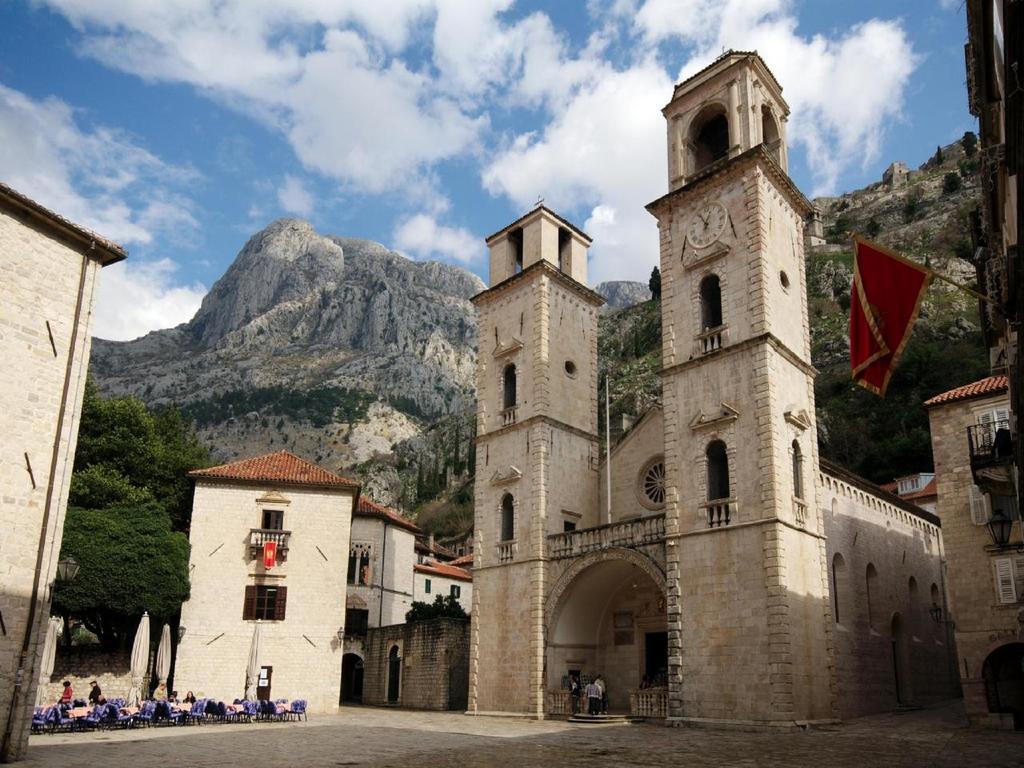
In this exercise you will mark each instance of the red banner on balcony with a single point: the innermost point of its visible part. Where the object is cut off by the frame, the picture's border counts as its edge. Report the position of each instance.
(886, 296)
(269, 554)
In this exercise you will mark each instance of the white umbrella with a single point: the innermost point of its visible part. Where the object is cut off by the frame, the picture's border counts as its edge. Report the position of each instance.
(163, 655)
(252, 670)
(140, 660)
(46, 661)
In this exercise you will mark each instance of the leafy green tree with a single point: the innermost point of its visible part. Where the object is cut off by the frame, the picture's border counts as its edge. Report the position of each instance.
(122, 444)
(655, 284)
(938, 158)
(130, 561)
(443, 607)
(969, 143)
(951, 183)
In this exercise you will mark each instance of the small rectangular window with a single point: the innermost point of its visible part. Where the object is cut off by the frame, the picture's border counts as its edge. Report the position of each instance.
(979, 502)
(273, 520)
(456, 591)
(426, 586)
(356, 622)
(568, 526)
(264, 602)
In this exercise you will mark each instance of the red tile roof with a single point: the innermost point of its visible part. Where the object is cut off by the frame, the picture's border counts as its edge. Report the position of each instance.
(461, 562)
(105, 251)
(282, 467)
(433, 548)
(929, 490)
(444, 569)
(991, 386)
(369, 508)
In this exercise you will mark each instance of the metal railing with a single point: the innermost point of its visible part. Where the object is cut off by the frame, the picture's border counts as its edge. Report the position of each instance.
(649, 702)
(628, 533)
(990, 442)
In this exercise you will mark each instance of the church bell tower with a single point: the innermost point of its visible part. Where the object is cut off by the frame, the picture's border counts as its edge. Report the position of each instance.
(748, 613)
(536, 454)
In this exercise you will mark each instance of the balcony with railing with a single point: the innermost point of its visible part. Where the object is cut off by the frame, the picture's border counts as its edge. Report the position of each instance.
(711, 340)
(719, 512)
(260, 536)
(508, 416)
(627, 533)
(991, 449)
(507, 551)
(800, 511)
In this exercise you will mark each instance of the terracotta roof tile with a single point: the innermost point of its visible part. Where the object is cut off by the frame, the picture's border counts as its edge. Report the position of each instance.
(281, 467)
(990, 386)
(369, 508)
(444, 569)
(463, 562)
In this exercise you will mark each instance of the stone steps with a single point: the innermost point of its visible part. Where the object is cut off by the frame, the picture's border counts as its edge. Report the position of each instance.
(591, 720)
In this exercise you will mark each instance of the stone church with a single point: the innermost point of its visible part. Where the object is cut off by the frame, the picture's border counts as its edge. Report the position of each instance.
(718, 561)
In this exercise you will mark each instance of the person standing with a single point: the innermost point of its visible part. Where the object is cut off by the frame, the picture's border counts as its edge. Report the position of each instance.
(68, 695)
(603, 686)
(593, 698)
(95, 694)
(574, 691)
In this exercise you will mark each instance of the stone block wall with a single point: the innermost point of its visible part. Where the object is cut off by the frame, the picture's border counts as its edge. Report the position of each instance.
(82, 665)
(46, 299)
(434, 664)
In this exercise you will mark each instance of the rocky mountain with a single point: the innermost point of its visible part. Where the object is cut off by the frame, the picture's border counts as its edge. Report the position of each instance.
(335, 347)
(620, 294)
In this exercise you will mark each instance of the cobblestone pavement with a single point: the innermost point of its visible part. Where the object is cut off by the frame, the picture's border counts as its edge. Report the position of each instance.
(375, 737)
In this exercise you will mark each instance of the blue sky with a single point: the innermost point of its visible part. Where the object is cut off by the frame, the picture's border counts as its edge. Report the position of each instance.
(181, 127)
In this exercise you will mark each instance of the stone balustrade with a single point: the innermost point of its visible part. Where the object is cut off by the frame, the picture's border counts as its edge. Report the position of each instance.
(508, 417)
(506, 551)
(800, 512)
(711, 340)
(627, 533)
(260, 536)
(649, 702)
(719, 512)
(558, 702)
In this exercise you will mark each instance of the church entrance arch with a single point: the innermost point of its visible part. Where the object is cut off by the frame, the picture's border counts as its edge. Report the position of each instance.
(606, 616)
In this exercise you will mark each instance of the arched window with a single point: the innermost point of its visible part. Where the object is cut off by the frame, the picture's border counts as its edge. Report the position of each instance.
(710, 303)
(710, 137)
(871, 585)
(798, 471)
(508, 517)
(718, 471)
(913, 606)
(770, 134)
(838, 582)
(509, 386)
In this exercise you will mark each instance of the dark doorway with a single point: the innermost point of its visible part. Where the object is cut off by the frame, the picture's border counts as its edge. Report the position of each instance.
(1003, 672)
(656, 657)
(394, 675)
(351, 679)
(263, 683)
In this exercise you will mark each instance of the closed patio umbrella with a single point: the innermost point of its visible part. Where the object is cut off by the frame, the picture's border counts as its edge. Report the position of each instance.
(46, 661)
(163, 655)
(140, 660)
(252, 670)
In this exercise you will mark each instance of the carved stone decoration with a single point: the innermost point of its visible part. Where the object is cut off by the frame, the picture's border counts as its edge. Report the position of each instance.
(507, 348)
(505, 476)
(798, 418)
(273, 497)
(724, 416)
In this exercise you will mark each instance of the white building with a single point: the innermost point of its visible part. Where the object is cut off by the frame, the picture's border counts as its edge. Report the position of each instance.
(444, 579)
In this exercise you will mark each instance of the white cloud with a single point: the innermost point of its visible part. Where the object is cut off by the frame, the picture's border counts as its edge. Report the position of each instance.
(134, 298)
(423, 237)
(294, 197)
(99, 179)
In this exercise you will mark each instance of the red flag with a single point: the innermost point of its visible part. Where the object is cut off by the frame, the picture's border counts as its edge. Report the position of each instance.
(884, 302)
(269, 554)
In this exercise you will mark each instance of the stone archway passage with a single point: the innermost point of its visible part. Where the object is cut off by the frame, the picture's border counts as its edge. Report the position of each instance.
(351, 679)
(1003, 672)
(606, 616)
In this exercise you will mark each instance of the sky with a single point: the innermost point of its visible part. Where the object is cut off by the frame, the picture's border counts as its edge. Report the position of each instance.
(179, 128)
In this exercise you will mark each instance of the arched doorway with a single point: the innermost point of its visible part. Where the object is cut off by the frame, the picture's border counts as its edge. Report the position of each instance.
(900, 661)
(351, 679)
(1003, 672)
(607, 617)
(394, 675)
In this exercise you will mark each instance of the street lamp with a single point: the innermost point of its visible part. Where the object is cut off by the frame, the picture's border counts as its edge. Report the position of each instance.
(1000, 526)
(67, 569)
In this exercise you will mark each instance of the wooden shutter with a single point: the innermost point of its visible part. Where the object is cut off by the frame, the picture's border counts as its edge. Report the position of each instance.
(1018, 575)
(279, 603)
(249, 604)
(1005, 589)
(979, 505)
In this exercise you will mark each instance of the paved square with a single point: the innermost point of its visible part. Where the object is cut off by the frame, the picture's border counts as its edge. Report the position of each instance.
(376, 737)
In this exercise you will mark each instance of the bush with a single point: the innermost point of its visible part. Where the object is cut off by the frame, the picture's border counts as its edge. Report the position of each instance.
(951, 183)
(912, 206)
(873, 227)
(443, 607)
(970, 143)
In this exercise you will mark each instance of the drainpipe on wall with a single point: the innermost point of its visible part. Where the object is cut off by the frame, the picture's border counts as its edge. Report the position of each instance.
(383, 559)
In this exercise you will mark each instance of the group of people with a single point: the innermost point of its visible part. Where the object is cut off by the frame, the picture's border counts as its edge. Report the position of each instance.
(67, 696)
(595, 692)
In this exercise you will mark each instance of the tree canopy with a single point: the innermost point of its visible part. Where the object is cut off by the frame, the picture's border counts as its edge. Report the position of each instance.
(443, 607)
(127, 454)
(130, 561)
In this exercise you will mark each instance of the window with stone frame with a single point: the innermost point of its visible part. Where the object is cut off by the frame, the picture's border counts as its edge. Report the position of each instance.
(798, 470)
(272, 520)
(426, 586)
(357, 621)
(718, 471)
(650, 489)
(456, 591)
(359, 558)
(265, 602)
(710, 303)
(508, 518)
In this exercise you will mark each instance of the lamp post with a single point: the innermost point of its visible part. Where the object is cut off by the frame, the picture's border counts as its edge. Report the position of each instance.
(67, 569)
(999, 527)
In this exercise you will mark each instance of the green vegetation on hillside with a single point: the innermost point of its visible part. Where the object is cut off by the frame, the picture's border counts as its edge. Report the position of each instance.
(319, 406)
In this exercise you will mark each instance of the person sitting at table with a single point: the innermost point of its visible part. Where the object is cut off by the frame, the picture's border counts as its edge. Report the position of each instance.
(190, 698)
(96, 695)
(68, 694)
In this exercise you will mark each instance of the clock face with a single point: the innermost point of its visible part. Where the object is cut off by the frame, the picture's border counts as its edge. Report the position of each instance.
(707, 225)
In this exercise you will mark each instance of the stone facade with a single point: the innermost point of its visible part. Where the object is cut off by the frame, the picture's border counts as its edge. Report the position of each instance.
(987, 612)
(710, 574)
(50, 269)
(422, 665)
(304, 648)
(389, 593)
(82, 664)
(896, 175)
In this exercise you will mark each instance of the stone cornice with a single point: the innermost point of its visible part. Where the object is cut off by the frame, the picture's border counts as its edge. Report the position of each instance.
(536, 269)
(539, 419)
(757, 155)
(765, 338)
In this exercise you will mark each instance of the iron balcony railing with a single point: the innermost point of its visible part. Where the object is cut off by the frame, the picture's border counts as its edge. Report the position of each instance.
(990, 443)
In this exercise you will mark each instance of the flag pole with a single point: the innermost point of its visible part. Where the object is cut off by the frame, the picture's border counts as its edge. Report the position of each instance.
(608, 448)
(964, 288)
